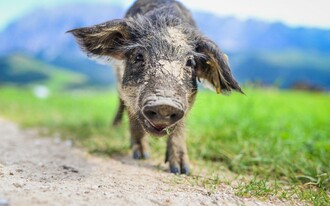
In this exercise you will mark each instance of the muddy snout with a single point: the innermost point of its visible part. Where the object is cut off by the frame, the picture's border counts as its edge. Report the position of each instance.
(162, 114)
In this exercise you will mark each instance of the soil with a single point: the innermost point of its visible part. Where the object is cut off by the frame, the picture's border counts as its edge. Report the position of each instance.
(46, 171)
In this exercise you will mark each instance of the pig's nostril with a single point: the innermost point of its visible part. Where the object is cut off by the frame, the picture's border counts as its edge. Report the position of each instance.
(151, 114)
(176, 115)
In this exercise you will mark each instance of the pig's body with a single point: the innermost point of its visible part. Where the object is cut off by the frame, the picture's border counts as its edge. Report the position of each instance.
(159, 55)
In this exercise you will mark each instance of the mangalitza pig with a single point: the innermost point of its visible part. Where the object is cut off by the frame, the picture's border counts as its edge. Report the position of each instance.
(159, 55)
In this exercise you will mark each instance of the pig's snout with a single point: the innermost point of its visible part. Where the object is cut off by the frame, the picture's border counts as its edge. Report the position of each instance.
(162, 115)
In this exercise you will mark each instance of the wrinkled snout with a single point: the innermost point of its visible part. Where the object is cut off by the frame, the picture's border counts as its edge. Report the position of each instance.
(162, 115)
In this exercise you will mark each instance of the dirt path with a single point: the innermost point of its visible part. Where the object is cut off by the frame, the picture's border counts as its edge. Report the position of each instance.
(46, 171)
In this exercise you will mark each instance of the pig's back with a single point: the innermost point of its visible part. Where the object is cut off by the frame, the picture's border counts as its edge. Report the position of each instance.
(154, 8)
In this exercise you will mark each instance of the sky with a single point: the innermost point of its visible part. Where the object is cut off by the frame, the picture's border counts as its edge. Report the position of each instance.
(308, 13)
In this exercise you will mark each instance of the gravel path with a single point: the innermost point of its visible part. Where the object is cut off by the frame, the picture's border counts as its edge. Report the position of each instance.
(47, 171)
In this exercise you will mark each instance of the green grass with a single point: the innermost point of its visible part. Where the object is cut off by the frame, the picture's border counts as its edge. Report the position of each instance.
(278, 140)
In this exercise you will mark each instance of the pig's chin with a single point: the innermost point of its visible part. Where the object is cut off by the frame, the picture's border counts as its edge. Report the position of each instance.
(151, 129)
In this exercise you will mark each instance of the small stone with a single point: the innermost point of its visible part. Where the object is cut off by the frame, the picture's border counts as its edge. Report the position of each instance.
(17, 185)
(71, 169)
(19, 170)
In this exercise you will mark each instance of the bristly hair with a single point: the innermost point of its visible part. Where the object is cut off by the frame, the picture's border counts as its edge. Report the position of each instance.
(148, 32)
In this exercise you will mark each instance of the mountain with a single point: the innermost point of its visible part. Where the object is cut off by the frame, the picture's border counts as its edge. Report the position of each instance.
(43, 31)
(254, 35)
(259, 51)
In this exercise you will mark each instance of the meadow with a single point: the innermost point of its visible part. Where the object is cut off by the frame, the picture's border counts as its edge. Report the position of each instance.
(279, 140)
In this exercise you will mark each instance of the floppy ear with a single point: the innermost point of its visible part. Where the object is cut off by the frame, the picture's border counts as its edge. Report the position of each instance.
(213, 68)
(104, 39)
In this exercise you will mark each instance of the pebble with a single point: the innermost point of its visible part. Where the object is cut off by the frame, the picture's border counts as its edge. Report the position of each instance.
(17, 185)
(19, 170)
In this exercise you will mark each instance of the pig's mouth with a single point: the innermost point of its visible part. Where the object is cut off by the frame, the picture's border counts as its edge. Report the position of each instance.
(157, 130)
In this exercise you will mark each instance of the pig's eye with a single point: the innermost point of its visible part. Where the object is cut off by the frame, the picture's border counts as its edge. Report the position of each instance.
(191, 62)
(139, 58)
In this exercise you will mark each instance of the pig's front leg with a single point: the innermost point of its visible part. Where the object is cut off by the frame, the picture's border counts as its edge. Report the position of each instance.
(139, 142)
(176, 151)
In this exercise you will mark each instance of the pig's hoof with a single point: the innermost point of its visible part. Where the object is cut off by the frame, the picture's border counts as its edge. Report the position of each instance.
(185, 170)
(116, 124)
(174, 170)
(182, 170)
(138, 155)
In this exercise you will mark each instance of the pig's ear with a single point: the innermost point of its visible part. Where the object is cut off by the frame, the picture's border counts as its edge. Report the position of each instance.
(103, 40)
(213, 69)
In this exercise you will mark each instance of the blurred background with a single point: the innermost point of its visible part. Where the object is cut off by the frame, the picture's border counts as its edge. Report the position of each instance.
(270, 43)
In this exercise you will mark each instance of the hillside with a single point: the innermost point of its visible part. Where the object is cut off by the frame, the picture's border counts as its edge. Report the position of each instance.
(285, 69)
(19, 70)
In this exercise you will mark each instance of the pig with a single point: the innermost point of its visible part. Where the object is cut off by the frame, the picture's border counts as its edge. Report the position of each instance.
(159, 56)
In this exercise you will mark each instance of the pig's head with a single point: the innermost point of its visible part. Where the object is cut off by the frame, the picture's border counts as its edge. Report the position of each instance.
(162, 62)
